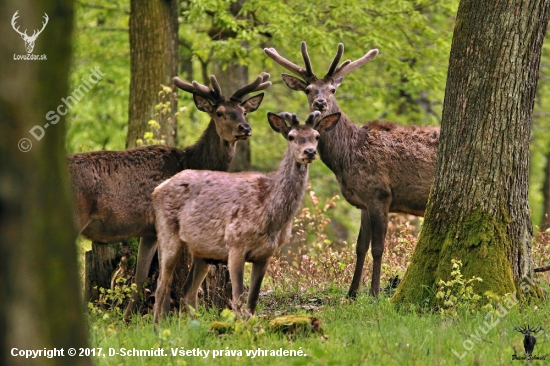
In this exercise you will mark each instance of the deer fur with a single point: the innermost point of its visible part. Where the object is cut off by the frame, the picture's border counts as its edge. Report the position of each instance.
(234, 217)
(113, 188)
(381, 167)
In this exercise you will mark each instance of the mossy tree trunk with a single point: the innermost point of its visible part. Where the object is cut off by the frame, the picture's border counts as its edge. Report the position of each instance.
(40, 304)
(153, 61)
(478, 210)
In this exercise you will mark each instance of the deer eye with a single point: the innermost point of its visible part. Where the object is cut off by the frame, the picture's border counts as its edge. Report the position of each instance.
(333, 90)
(245, 113)
(219, 114)
(290, 138)
(317, 137)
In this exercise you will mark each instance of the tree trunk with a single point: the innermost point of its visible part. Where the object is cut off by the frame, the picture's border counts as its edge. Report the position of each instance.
(545, 222)
(478, 210)
(41, 306)
(153, 61)
(100, 263)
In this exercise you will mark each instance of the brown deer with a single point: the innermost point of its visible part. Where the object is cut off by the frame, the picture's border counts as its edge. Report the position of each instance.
(381, 167)
(234, 217)
(113, 188)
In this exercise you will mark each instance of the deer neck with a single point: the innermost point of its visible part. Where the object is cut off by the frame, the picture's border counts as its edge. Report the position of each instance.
(210, 152)
(337, 147)
(287, 187)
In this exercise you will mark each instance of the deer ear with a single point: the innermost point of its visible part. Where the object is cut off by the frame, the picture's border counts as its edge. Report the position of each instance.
(277, 123)
(328, 122)
(337, 82)
(294, 83)
(251, 104)
(202, 103)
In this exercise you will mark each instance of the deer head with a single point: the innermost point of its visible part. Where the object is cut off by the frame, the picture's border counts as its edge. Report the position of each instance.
(320, 92)
(229, 115)
(29, 40)
(302, 139)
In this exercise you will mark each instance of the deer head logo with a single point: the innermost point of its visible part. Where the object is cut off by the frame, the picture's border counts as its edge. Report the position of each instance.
(29, 40)
(529, 340)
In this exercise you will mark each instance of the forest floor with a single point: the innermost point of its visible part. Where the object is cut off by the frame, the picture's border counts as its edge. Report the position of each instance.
(366, 331)
(362, 332)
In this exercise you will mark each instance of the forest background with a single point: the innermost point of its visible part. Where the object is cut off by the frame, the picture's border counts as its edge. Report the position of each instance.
(404, 84)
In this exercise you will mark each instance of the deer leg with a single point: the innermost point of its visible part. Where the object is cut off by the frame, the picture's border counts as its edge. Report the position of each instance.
(168, 259)
(379, 221)
(363, 241)
(258, 272)
(197, 273)
(146, 252)
(235, 265)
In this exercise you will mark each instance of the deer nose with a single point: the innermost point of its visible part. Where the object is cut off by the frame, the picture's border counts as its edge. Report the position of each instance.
(310, 153)
(320, 104)
(245, 129)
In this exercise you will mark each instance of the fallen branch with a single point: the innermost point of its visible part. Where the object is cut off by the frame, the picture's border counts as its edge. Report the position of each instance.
(542, 269)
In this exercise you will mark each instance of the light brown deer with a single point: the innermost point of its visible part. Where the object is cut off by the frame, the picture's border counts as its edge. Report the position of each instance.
(381, 167)
(234, 217)
(113, 188)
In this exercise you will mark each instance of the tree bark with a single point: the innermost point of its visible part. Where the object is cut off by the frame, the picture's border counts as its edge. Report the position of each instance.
(100, 263)
(545, 222)
(41, 306)
(153, 61)
(478, 210)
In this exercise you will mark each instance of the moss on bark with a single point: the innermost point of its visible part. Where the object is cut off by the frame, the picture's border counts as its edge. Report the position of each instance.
(482, 245)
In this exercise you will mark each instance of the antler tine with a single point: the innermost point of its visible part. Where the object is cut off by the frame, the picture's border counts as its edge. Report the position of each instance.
(290, 66)
(337, 58)
(307, 60)
(348, 66)
(13, 21)
(290, 118)
(312, 118)
(202, 90)
(217, 90)
(260, 83)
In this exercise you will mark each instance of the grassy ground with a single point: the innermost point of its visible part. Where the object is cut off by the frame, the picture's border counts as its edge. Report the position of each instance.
(313, 282)
(363, 332)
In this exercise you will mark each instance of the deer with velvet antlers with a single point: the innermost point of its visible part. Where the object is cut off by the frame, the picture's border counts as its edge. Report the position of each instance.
(381, 167)
(113, 188)
(234, 217)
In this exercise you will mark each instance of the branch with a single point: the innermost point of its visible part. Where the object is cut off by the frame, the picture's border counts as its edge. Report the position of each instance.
(542, 269)
(93, 6)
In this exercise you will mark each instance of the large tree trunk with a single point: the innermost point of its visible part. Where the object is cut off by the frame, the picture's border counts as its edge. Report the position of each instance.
(478, 210)
(545, 222)
(153, 61)
(40, 304)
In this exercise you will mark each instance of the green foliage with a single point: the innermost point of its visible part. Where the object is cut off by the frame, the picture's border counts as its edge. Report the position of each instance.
(457, 294)
(162, 117)
(111, 301)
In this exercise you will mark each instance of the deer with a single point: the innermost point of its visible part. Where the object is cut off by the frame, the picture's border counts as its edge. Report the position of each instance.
(234, 217)
(113, 188)
(529, 340)
(29, 40)
(380, 167)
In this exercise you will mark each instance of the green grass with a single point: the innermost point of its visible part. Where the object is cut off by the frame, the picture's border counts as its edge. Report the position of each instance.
(364, 332)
